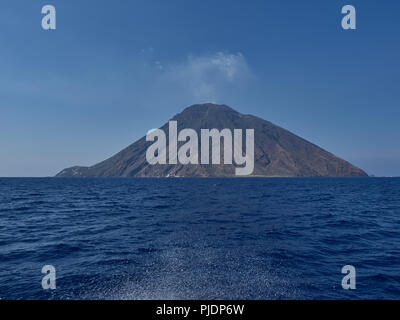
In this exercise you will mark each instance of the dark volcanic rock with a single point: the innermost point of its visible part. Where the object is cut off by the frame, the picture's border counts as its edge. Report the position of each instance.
(277, 152)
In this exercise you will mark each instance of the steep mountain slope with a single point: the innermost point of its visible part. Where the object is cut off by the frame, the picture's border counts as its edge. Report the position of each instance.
(277, 152)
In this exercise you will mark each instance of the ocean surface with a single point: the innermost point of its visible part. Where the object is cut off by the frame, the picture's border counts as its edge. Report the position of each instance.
(200, 238)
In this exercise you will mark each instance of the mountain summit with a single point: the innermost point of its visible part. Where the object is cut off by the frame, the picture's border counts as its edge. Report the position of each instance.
(277, 152)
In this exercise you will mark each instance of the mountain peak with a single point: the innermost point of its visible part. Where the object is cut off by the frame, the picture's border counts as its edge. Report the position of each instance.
(208, 106)
(207, 109)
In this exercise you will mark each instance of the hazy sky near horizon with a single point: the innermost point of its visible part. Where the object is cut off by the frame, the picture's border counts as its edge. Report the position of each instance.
(112, 70)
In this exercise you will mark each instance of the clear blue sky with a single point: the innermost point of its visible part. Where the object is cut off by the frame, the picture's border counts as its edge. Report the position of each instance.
(112, 70)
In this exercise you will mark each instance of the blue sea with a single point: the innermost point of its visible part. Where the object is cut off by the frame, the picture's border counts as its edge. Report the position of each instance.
(200, 238)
